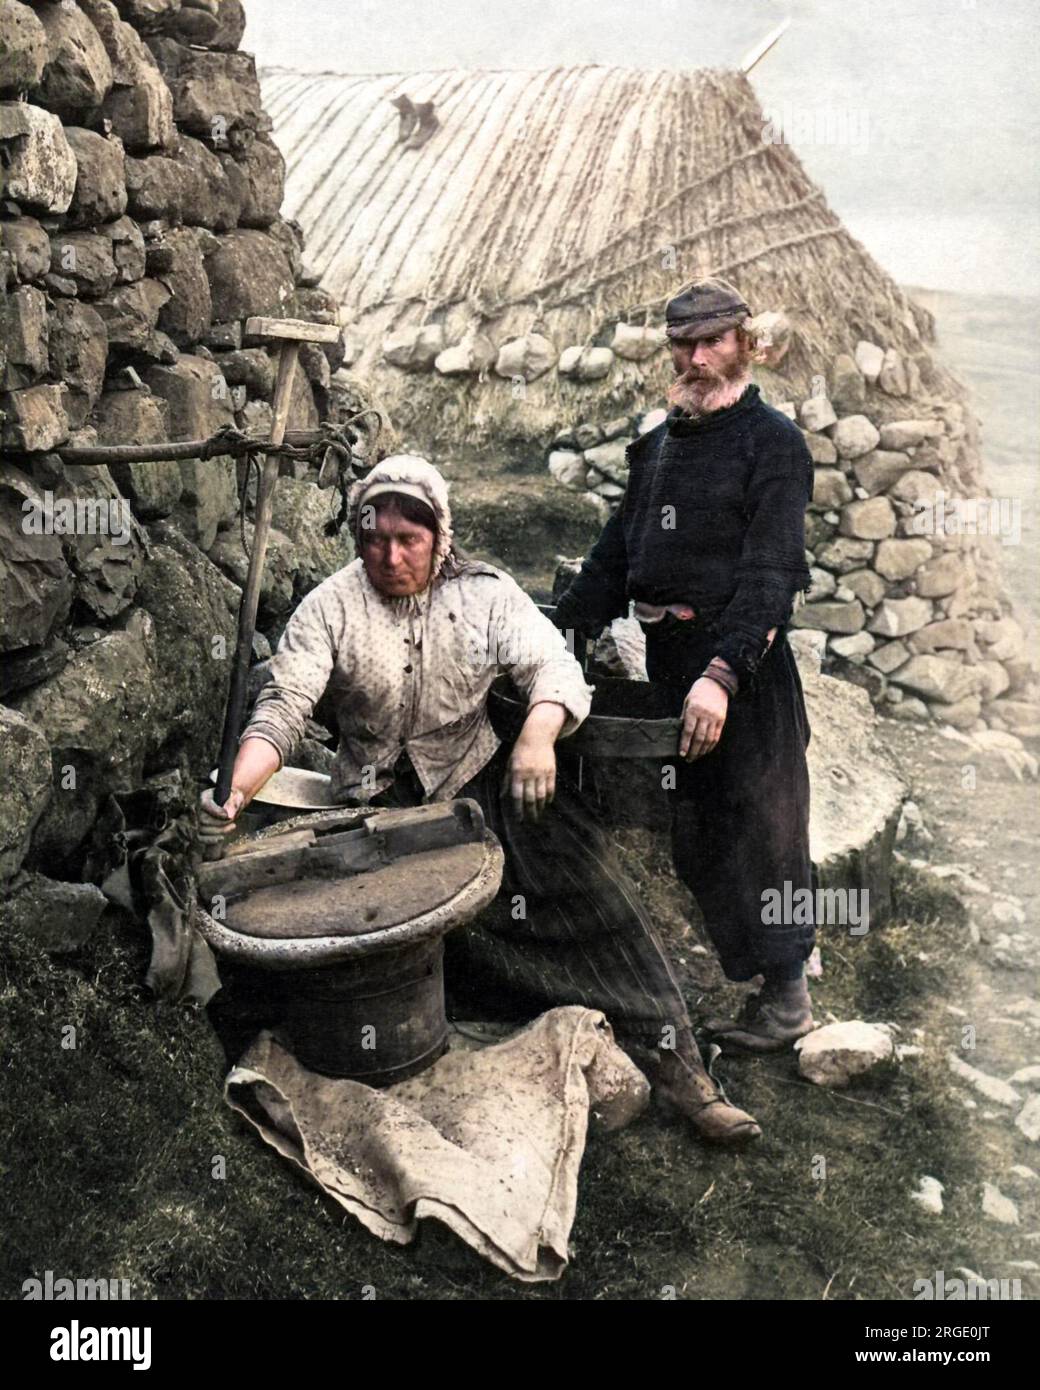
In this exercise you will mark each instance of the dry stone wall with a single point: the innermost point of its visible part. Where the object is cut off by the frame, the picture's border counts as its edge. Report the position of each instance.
(140, 226)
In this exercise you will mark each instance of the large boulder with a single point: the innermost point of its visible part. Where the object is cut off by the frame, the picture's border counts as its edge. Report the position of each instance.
(25, 771)
(936, 678)
(33, 420)
(525, 358)
(59, 917)
(195, 609)
(188, 185)
(39, 166)
(29, 246)
(87, 259)
(249, 274)
(23, 44)
(139, 106)
(78, 74)
(188, 312)
(857, 793)
(24, 330)
(37, 583)
(262, 168)
(78, 354)
(139, 417)
(99, 718)
(100, 192)
(105, 551)
(214, 94)
(131, 313)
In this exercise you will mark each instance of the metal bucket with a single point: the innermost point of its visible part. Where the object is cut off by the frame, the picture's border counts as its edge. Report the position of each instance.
(379, 1019)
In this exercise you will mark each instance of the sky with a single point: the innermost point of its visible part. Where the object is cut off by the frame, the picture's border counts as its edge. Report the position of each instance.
(920, 119)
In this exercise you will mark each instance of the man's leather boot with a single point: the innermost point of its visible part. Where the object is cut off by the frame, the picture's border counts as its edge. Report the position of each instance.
(682, 1086)
(768, 1022)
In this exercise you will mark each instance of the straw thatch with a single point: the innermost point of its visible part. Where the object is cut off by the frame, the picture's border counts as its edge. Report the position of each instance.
(563, 202)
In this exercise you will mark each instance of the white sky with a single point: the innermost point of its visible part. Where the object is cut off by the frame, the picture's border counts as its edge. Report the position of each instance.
(943, 189)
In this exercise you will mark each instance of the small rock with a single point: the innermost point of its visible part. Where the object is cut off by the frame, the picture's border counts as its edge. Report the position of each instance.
(568, 468)
(853, 436)
(837, 1052)
(1027, 1076)
(992, 1087)
(869, 358)
(817, 413)
(998, 1207)
(929, 1195)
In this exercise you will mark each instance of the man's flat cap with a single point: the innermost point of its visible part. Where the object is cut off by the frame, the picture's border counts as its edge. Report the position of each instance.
(703, 308)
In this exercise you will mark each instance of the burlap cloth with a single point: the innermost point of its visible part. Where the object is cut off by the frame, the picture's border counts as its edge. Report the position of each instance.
(489, 1142)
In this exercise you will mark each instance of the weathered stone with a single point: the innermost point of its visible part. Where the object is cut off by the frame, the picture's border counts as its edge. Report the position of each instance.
(1028, 1119)
(869, 359)
(301, 511)
(25, 771)
(868, 587)
(917, 488)
(889, 657)
(935, 678)
(899, 559)
(195, 25)
(907, 434)
(33, 419)
(821, 449)
(187, 313)
(929, 1195)
(911, 709)
(856, 791)
(100, 192)
(893, 379)
(568, 468)
(848, 389)
(822, 584)
(86, 258)
(525, 358)
(139, 106)
(896, 617)
(853, 648)
(877, 471)
(854, 436)
(993, 680)
(830, 616)
(617, 427)
(845, 554)
(948, 633)
(28, 244)
(214, 93)
(830, 489)
(836, 1053)
(941, 575)
(78, 353)
(24, 330)
(249, 274)
(992, 1087)
(39, 166)
(209, 498)
(870, 519)
(277, 582)
(59, 917)
(636, 344)
(587, 435)
(414, 349)
(1003, 637)
(962, 714)
(249, 367)
(608, 458)
(256, 419)
(190, 185)
(585, 363)
(37, 582)
(105, 551)
(131, 312)
(1020, 716)
(223, 337)
(98, 715)
(817, 413)
(231, 24)
(196, 394)
(23, 45)
(128, 251)
(263, 169)
(78, 75)
(147, 15)
(138, 417)
(473, 355)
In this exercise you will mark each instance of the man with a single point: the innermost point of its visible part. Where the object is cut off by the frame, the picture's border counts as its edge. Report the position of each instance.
(406, 641)
(709, 540)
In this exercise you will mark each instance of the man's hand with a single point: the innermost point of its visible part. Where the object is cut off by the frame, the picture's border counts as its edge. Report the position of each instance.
(704, 714)
(530, 778)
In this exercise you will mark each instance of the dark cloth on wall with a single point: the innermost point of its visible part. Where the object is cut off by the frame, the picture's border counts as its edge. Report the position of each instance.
(713, 516)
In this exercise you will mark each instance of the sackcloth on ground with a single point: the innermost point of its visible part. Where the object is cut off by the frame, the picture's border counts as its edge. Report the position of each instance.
(488, 1142)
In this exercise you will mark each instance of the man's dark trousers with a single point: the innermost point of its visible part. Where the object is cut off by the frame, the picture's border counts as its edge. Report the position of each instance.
(740, 814)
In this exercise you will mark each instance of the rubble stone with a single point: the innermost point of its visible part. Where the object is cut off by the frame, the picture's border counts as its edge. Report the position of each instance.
(23, 43)
(78, 75)
(78, 355)
(838, 1052)
(877, 471)
(869, 359)
(899, 559)
(896, 617)
(830, 616)
(39, 166)
(25, 770)
(816, 413)
(100, 192)
(853, 436)
(936, 678)
(871, 519)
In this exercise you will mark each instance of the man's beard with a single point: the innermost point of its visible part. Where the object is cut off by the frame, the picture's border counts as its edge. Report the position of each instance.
(700, 390)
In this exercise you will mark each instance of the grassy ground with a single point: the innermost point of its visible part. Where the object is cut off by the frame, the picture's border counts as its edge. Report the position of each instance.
(108, 1150)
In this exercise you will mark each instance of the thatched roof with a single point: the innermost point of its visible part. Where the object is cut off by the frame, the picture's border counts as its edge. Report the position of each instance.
(561, 202)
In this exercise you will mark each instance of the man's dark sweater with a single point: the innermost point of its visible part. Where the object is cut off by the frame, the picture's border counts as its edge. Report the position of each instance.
(713, 516)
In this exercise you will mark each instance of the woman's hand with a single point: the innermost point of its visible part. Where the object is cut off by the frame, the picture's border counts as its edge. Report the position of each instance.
(216, 823)
(531, 775)
(704, 714)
